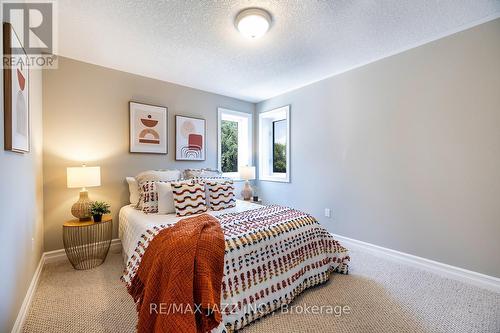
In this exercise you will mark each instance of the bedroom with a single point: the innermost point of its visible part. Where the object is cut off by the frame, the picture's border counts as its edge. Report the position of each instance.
(364, 134)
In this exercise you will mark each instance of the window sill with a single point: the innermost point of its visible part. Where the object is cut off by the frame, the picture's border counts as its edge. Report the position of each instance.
(275, 179)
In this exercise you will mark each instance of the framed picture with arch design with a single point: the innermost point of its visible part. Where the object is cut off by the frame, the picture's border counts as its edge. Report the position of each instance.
(190, 136)
(16, 88)
(148, 128)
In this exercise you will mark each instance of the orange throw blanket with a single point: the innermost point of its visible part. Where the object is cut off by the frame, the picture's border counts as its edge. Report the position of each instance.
(177, 286)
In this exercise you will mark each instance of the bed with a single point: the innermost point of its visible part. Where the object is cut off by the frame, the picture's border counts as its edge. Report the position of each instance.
(272, 254)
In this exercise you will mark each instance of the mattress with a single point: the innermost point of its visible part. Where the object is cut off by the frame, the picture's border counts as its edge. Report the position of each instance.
(133, 223)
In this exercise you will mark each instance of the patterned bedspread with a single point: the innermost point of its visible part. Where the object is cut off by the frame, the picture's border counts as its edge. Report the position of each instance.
(272, 254)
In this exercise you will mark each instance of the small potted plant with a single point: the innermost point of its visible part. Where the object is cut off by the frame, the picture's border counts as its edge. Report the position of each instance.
(98, 209)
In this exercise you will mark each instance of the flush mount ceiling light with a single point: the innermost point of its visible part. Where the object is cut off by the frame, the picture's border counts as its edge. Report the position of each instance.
(253, 22)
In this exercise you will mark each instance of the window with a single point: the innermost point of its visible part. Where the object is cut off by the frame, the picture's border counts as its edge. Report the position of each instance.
(274, 145)
(234, 140)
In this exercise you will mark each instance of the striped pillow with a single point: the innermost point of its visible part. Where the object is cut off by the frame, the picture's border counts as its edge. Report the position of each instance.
(220, 194)
(189, 198)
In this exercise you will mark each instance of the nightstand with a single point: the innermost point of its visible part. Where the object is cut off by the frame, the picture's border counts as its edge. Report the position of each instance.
(87, 243)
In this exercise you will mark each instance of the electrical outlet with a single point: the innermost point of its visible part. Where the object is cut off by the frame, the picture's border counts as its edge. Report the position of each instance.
(328, 212)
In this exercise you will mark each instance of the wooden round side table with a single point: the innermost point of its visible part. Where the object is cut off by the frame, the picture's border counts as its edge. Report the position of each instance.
(87, 243)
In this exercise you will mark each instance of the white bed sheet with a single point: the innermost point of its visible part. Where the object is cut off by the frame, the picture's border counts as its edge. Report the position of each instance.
(133, 223)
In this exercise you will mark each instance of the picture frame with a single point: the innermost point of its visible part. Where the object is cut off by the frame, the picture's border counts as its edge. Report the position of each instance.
(190, 138)
(148, 128)
(16, 85)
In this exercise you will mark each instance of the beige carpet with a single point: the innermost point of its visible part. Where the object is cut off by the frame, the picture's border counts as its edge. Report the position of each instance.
(383, 296)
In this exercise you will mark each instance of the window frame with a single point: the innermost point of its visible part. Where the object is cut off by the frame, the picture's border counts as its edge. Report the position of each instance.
(266, 140)
(240, 117)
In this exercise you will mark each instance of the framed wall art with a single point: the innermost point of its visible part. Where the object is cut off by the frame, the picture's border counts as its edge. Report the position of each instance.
(17, 129)
(190, 138)
(148, 128)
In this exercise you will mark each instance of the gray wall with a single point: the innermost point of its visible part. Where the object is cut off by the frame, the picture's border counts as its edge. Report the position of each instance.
(86, 119)
(406, 151)
(21, 208)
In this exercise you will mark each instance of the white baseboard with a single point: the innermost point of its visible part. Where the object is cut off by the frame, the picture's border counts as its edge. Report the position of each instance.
(456, 273)
(47, 257)
(23, 311)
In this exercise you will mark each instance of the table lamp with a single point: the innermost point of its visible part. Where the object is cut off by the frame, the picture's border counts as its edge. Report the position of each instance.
(247, 173)
(83, 177)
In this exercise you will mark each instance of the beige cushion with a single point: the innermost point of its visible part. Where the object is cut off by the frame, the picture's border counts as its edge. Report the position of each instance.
(210, 173)
(192, 173)
(133, 189)
(158, 175)
(195, 173)
(165, 198)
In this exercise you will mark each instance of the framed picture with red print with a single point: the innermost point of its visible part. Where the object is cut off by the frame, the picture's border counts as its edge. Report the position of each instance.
(190, 136)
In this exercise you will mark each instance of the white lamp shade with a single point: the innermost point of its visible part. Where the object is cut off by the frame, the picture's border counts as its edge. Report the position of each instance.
(83, 177)
(247, 172)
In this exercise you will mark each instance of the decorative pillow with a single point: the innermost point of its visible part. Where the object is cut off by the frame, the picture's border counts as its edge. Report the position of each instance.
(195, 173)
(165, 198)
(158, 175)
(220, 193)
(210, 173)
(192, 173)
(149, 197)
(189, 198)
(153, 176)
(202, 180)
(133, 189)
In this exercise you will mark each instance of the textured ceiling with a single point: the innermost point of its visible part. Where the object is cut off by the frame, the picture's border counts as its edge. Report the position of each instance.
(194, 42)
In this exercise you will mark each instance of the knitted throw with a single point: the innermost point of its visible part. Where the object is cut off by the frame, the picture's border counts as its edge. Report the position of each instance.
(177, 287)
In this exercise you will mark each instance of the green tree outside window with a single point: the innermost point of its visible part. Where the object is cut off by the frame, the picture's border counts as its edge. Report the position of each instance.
(279, 146)
(229, 146)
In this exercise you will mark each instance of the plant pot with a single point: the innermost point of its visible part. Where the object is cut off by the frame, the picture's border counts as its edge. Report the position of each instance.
(97, 218)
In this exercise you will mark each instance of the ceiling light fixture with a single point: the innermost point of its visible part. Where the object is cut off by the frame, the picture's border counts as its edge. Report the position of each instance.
(253, 22)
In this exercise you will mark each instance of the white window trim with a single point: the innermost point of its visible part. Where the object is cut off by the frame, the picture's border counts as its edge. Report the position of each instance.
(273, 115)
(242, 161)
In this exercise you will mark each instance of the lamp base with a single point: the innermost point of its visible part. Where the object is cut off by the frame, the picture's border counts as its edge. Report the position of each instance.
(81, 208)
(247, 191)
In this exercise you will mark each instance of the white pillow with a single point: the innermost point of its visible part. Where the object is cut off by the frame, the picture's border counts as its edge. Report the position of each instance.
(133, 189)
(165, 198)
